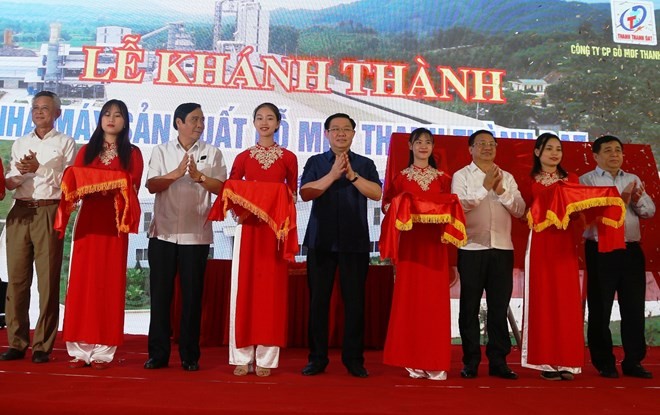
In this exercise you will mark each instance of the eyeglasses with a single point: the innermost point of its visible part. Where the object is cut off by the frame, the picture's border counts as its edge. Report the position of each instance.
(345, 130)
(484, 144)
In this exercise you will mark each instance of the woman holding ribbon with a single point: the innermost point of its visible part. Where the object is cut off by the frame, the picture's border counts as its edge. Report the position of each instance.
(262, 190)
(418, 203)
(553, 321)
(106, 175)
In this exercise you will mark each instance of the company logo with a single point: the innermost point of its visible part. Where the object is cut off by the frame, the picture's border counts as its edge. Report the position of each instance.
(633, 18)
(633, 22)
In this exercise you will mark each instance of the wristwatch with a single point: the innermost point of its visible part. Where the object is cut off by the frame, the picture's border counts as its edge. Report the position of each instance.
(202, 179)
(357, 176)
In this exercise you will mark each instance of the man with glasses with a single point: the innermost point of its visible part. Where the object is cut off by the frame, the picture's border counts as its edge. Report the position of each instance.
(38, 160)
(339, 182)
(490, 197)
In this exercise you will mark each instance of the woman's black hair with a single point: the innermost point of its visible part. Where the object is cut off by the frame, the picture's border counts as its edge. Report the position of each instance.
(414, 136)
(95, 145)
(272, 107)
(541, 141)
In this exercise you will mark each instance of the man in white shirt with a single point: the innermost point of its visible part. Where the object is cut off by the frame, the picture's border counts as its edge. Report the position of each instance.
(490, 197)
(38, 160)
(621, 271)
(183, 174)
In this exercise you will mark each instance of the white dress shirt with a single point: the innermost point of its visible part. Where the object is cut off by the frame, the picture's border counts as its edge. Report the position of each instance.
(55, 152)
(644, 208)
(181, 210)
(488, 215)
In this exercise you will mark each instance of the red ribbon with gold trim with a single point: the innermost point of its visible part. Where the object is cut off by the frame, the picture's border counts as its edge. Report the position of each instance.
(406, 209)
(601, 205)
(78, 182)
(269, 201)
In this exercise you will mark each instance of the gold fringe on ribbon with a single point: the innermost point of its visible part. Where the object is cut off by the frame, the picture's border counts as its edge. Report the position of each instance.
(404, 226)
(121, 225)
(69, 206)
(437, 219)
(553, 219)
(93, 188)
(120, 184)
(451, 239)
(280, 234)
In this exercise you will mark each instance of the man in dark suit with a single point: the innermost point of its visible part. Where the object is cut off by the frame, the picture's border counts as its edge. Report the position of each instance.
(339, 182)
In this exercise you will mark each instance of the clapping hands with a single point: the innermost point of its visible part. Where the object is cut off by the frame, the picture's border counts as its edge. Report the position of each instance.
(633, 192)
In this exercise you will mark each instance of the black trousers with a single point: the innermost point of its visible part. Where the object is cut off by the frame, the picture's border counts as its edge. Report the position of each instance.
(622, 272)
(165, 258)
(490, 270)
(321, 268)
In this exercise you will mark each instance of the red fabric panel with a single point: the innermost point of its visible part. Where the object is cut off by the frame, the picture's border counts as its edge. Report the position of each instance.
(78, 182)
(442, 209)
(419, 334)
(271, 202)
(261, 300)
(215, 306)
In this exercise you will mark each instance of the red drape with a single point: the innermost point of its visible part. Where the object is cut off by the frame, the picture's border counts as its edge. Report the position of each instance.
(80, 181)
(271, 202)
(405, 209)
(215, 306)
(554, 206)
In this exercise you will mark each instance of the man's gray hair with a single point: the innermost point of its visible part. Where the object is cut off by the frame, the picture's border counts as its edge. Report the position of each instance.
(51, 95)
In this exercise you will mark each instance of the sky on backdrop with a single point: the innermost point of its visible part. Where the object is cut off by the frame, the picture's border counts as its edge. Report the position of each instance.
(204, 5)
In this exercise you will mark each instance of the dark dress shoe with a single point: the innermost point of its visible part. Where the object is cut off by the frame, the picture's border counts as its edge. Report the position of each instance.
(551, 375)
(503, 372)
(12, 354)
(190, 366)
(313, 368)
(609, 372)
(40, 357)
(566, 375)
(636, 371)
(469, 372)
(357, 370)
(152, 363)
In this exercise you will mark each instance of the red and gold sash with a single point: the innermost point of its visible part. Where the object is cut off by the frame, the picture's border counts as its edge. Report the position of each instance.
(599, 204)
(78, 182)
(406, 209)
(271, 202)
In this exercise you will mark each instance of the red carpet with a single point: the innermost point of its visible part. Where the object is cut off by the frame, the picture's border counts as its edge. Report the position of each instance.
(127, 388)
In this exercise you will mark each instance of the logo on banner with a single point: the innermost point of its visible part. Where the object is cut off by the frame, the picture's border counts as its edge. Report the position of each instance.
(634, 22)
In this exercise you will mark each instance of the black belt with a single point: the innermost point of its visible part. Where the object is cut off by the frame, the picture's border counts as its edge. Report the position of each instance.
(33, 204)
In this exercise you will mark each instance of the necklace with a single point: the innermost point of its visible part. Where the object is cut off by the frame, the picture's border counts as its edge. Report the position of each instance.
(108, 153)
(423, 177)
(266, 156)
(546, 178)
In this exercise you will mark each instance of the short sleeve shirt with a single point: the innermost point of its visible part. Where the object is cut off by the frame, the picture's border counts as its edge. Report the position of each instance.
(180, 212)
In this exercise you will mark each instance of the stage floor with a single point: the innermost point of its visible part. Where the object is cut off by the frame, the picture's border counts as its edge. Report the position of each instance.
(127, 388)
